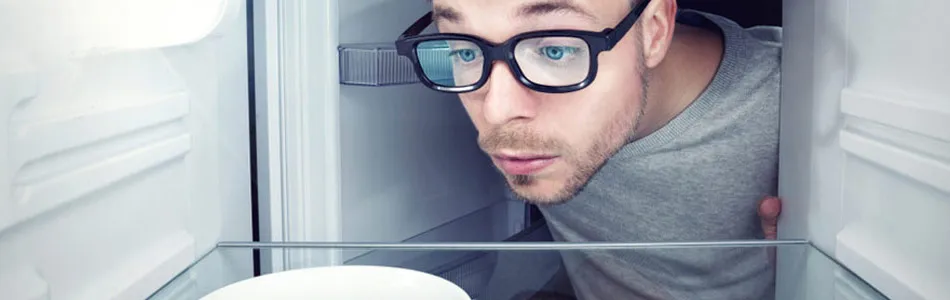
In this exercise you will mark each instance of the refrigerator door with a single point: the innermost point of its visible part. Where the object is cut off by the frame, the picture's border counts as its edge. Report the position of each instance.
(865, 149)
(123, 143)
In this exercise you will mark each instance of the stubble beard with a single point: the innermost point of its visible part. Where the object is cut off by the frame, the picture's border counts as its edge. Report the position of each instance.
(620, 132)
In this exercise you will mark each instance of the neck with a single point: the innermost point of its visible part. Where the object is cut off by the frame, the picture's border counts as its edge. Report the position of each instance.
(689, 66)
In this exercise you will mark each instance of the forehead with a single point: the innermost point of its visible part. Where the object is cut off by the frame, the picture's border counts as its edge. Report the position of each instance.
(497, 18)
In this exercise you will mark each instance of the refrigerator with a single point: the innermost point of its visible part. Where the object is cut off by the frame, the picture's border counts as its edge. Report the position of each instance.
(137, 135)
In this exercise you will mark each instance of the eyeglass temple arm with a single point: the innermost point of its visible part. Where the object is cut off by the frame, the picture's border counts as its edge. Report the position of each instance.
(418, 26)
(615, 35)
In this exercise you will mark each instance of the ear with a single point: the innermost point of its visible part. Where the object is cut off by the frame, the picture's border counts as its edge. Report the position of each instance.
(656, 29)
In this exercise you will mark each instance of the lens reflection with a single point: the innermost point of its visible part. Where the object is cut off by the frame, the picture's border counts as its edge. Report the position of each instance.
(451, 63)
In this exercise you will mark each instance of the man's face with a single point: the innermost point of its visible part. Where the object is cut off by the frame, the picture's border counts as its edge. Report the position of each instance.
(549, 145)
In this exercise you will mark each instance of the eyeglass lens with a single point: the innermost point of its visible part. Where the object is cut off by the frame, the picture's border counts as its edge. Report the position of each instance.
(550, 61)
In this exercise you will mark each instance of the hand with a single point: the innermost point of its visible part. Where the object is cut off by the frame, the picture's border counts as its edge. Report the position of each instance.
(769, 210)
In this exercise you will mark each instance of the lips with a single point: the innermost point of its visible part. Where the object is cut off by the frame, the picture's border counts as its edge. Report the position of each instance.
(523, 164)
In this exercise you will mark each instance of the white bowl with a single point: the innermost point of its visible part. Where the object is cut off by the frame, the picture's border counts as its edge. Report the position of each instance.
(343, 283)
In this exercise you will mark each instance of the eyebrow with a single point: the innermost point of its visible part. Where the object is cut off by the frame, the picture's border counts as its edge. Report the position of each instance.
(444, 13)
(541, 8)
(534, 9)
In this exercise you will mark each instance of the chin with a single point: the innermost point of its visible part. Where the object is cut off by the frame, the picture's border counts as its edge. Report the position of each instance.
(542, 192)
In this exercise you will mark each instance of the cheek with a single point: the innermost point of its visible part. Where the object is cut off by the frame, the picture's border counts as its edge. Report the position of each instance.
(602, 115)
(618, 90)
(619, 70)
(582, 121)
(473, 106)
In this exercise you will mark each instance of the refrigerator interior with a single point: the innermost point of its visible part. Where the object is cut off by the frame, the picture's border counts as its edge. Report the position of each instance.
(126, 133)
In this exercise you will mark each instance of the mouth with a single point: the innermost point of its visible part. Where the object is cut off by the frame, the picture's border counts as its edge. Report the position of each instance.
(523, 164)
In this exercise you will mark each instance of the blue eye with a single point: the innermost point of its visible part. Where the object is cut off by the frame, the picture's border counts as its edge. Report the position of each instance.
(466, 55)
(557, 52)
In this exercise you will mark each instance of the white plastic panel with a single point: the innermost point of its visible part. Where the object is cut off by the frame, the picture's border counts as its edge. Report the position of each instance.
(865, 147)
(410, 161)
(123, 143)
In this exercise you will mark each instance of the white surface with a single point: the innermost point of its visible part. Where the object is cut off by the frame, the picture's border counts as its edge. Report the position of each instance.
(865, 168)
(123, 143)
(343, 282)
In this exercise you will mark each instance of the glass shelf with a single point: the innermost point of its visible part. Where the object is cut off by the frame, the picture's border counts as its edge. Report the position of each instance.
(515, 270)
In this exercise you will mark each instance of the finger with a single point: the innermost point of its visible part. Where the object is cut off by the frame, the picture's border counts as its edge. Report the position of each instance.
(769, 210)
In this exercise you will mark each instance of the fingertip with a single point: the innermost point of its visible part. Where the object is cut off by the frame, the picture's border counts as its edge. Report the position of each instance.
(770, 207)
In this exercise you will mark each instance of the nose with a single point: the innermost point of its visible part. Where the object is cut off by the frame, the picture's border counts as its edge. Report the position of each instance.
(506, 99)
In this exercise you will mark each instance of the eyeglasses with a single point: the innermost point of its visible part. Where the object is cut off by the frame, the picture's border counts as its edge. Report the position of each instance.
(549, 61)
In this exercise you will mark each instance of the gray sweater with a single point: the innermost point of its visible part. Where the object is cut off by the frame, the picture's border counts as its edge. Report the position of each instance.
(699, 178)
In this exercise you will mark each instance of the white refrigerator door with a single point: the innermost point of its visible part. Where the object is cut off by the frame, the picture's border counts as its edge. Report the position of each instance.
(123, 143)
(865, 149)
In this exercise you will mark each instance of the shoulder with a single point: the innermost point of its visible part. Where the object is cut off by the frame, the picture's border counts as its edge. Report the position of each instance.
(743, 99)
(767, 36)
(758, 46)
(752, 59)
(761, 48)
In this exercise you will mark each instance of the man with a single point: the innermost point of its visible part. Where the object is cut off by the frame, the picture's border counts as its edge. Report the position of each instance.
(664, 127)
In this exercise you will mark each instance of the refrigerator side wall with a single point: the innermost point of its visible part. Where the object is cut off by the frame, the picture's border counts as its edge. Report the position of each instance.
(865, 159)
(374, 163)
(123, 144)
(410, 161)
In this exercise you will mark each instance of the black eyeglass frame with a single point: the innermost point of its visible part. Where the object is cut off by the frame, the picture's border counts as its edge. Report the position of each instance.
(597, 42)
